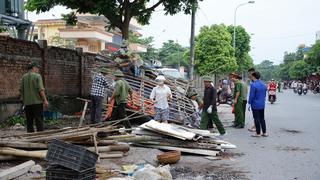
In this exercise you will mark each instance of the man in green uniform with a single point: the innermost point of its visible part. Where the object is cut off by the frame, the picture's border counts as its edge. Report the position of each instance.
(120, 94)
(33, 97)
(238, 101)
(209, 112)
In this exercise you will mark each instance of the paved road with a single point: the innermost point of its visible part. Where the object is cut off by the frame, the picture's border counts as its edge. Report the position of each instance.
(292, 150)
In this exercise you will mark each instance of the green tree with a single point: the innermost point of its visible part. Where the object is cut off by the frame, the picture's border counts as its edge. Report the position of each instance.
(267, 70)
(299, 70)
(148, 42)
(289, 57)
(244, 61)
(313, 57)
(118, 12)
(213, 50)
(171, 53)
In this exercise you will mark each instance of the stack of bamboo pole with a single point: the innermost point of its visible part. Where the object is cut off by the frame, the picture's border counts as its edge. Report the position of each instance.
(34, 145)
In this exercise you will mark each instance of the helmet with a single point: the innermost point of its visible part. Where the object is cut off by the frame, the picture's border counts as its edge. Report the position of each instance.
(207, 78)
(225, 81)
(118, 73)
(160, 78)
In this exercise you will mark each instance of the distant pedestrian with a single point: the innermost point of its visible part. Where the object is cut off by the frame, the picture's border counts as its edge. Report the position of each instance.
(257, 99)
(120, 94)
(161, 95)
(33, 96)
(98, 91)
(209, 112)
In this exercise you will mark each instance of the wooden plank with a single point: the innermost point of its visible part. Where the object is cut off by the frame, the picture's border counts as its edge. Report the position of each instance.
(83, 113)
(96, 145)
(16, 171)
(106, 156)
(186, 150)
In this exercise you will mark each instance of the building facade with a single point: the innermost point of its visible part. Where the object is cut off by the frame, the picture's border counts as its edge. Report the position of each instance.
(89, 33)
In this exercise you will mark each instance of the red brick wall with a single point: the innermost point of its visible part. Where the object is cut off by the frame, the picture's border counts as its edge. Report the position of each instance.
(62, 74)
(65, 72)
(14, 57)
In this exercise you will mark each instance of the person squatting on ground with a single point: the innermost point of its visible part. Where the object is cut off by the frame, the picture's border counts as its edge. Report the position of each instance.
(257, 99)
(160, 95)
(209, 112)
(33, 96)
(194, 119)
(238, 101)
(120, 94)
(98, 91)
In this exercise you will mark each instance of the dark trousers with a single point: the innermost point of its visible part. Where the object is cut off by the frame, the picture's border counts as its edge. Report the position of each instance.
(34, 112)
(119, 112)
(259, 121)
(96, 109)
(244, 108)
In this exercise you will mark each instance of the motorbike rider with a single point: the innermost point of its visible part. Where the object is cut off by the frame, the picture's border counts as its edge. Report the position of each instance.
(272, 86)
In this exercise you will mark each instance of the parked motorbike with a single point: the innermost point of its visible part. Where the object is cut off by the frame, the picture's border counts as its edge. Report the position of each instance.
(295, 90)
(272, 96)
(228, 100)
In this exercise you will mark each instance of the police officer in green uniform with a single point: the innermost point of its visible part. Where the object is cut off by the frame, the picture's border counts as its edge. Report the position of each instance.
(121, 92)
(238, 101)
(33, 96)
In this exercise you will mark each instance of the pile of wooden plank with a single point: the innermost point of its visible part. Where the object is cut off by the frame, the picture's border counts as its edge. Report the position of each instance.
(174, 137)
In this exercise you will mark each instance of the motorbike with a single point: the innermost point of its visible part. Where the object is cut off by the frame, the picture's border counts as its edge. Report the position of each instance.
(228, 100)
(305, 91)
(295, 90)
(316, 90)
(272, 96)
(299, 91)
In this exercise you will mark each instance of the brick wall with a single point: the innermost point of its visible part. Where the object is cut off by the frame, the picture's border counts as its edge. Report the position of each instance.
(14, 57)
(65, 72)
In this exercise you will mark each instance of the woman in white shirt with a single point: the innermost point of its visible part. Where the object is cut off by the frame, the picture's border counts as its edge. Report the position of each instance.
(160, 95)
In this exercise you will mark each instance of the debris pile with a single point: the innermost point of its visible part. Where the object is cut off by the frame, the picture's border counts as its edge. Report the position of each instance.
(175, 137)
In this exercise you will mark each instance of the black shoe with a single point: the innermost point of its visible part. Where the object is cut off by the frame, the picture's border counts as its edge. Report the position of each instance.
(239, 127)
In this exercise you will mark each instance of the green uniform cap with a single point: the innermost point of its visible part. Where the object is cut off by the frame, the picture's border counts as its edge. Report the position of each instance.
(207, 78)
(118, 73)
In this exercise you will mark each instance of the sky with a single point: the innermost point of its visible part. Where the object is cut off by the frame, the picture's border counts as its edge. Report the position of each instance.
(276, 25)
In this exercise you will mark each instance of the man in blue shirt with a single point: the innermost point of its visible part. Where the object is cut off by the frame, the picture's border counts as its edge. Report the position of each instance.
(257, 99)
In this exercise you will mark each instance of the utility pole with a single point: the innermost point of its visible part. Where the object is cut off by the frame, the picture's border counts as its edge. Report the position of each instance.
(193, 14)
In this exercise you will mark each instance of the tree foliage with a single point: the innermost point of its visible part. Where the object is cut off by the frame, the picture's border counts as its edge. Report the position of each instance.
(313, 56)
(267, 70)
(242, 49)
(118, 12)
(148, 43)
(299, 69)
(213, 50)
(171, 53)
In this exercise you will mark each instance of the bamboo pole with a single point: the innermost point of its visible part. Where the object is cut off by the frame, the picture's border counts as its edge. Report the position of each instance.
(18, 152)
